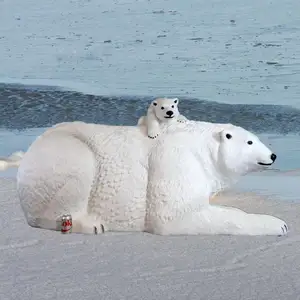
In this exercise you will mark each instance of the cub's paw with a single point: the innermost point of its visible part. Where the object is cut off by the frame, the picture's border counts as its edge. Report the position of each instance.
(181, 119)
(153, 136)
(153, 133)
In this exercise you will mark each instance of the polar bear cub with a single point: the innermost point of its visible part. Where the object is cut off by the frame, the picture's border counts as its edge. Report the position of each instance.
(161, 110)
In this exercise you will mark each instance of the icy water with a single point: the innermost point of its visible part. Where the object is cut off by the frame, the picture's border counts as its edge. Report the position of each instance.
(225, 51)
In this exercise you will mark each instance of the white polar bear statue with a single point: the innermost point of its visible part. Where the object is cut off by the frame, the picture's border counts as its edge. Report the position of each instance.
(161, 110)
(117, 178)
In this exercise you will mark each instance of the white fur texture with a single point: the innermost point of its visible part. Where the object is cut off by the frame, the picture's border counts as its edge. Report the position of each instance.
(117, 177)
(161, 110)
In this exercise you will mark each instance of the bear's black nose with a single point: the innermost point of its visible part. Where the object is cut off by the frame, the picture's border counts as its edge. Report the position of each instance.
(169, 113)
(273, 156)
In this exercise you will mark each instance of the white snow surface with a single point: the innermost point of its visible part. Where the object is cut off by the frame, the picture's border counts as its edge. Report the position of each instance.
(40, 264)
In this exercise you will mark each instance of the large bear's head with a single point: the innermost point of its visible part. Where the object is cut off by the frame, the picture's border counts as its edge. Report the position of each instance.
(241, 151)
(165, 109)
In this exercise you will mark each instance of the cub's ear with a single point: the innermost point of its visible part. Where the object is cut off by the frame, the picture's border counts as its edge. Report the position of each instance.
(154, 103)
(176, 100)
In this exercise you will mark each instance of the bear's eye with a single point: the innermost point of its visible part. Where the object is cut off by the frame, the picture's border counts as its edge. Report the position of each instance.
(162, 107)
(172, 106)
(228, 136)
(249, 142)
(154, 103)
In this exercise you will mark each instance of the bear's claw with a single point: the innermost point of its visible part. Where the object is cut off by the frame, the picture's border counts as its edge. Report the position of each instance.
(284, 229)
(96, 229)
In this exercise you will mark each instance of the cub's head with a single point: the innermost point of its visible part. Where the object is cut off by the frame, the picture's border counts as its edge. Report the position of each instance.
(165, 108)
(241, 152)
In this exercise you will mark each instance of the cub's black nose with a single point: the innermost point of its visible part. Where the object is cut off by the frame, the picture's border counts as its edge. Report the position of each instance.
(273, 156)
(169, 113)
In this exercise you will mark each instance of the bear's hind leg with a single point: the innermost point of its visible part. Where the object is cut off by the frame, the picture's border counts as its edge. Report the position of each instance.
(87, 224)
(55, 178)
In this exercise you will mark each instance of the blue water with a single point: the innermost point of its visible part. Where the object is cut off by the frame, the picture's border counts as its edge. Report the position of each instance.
(226, 51)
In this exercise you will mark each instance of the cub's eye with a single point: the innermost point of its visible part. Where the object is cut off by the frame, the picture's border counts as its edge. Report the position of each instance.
(162, 107)
(172, 106)
(249, 142)
(154, 103)
(228, 136)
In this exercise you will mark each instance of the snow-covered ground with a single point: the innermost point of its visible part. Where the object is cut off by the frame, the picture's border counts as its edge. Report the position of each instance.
(38, 264)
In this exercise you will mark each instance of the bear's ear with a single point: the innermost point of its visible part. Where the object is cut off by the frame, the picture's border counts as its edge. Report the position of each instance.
(224, 133)
(154, 103)
(176, 100)
(218, 135)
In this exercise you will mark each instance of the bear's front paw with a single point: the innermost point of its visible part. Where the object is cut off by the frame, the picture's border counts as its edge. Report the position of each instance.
(284, 229)
(271, 225)
(181, 121)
